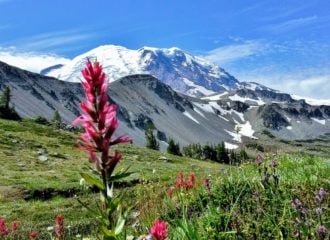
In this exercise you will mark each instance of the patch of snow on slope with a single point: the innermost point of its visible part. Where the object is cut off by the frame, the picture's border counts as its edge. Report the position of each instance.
(205, 107)
(246, 129)
(289, 127)
(215, 97)
(230, 146)
(312, 101)
(224, 112)
(196, 88)
(244, 99)
(320, 121)
(187, 114)
(236, 137)
(199, 112)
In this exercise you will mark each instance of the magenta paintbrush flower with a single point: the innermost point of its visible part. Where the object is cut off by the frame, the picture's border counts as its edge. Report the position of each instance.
(99, 120)
(159, 230)
(59, 227)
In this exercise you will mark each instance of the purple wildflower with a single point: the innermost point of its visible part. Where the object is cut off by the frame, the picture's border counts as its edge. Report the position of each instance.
(274, 164)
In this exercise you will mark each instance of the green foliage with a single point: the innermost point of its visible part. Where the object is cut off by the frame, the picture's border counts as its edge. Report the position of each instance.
(5, 98)
(173, 148)
(217, 153)
(151, 141)
(6, 111)
(57, 120)
(260, 148)
(42, 120)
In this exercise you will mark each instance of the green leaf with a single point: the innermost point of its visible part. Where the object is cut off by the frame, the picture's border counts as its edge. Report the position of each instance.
(88, 208)
(120, 176)
(120, 225)
(108, 234)
(93, 181)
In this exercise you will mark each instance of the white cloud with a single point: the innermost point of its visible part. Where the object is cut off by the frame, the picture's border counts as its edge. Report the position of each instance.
(291, 24)
(30, 61)
(234, 52)
(50, 40)
(313, 83)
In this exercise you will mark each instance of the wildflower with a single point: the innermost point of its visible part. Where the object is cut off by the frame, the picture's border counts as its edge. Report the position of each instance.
(318, 211)
(192, 178)
(59, 227)
(259, 159)
(274, 164)
(207, 183)
(295, 203)
(14, 227)
(3, 227)
(322, 230)
(82, 182)
(33, 235)
(304, 211)
(320, 195)
(179, 181)
(98, 120)
(159, 230)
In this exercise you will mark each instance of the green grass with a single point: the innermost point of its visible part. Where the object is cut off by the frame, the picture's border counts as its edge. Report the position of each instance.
(24, 176)
(33, 192)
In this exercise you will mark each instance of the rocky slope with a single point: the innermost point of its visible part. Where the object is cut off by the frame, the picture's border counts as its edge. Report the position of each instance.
(230, 116)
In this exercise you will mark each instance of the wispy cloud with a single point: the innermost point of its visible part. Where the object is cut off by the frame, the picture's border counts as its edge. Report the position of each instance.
(290, 24)
(51, 40)
(30, 61)
(236, 52)
(309, 82)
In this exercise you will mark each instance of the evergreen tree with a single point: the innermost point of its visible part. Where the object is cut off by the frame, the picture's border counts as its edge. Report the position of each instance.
(243, 155)
(151, 141)
(5, 98)
(6, 111)
(57, 120)
(173, 148)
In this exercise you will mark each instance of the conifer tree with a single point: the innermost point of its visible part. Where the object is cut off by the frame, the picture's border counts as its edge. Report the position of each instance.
(151, 141)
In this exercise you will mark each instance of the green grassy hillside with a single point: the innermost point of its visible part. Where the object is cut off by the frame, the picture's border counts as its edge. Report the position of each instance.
(39, 178)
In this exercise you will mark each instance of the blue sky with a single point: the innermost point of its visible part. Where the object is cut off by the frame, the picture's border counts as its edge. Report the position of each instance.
(284, 44)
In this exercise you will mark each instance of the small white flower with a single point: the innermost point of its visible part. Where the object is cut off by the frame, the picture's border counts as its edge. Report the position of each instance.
(153, 171)
(50, 228)
(82, 182)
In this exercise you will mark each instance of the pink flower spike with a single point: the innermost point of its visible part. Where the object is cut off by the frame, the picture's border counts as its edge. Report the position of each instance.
(81, 119)
(159, 230)
(113, 161)
(3, 227)
(121, 139)
(14, 227)
(59, 227)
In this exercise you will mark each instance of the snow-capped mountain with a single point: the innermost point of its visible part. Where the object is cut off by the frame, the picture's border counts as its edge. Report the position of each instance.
(182, 71)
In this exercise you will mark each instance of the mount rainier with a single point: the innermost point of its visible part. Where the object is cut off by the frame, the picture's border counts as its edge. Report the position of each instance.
(185, 73)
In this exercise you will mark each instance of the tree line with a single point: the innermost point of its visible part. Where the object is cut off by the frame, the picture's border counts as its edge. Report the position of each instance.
(218, 152)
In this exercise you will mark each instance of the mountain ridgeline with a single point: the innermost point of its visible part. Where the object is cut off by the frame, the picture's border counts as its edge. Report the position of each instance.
(207, 106)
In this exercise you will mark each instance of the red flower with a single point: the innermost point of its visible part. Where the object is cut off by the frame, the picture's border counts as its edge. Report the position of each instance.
(207, 183)
(59, 227)
(33, 235)
(159, 230)
(98, 119)
(14, 227)
(192, 178)
(3, 227)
